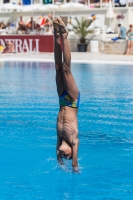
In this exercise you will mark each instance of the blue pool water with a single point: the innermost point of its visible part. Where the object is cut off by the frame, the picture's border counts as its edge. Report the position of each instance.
(28, 111)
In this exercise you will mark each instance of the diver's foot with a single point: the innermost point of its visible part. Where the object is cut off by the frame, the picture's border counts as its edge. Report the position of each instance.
(56, 28)
(62, 28)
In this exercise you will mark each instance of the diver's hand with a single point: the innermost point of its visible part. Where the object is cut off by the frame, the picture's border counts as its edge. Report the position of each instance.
(75, 169)
(59, 158)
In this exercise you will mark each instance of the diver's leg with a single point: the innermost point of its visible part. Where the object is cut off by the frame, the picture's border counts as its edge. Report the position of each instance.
(69, 82)
(58, 60)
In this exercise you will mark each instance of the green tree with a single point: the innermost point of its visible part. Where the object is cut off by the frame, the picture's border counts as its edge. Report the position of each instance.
(82, 28)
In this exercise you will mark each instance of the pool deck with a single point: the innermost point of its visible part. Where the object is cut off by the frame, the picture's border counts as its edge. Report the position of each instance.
(76, 58)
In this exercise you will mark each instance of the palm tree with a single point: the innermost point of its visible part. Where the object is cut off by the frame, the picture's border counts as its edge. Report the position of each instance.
(82, 28)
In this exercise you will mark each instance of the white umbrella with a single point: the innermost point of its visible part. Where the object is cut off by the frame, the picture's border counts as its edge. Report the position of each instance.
(110, 14)
(49, 7)
(35, 6)
(11, 6)
(29, 8)
(73, 6)
(52, 6)
(26, 8)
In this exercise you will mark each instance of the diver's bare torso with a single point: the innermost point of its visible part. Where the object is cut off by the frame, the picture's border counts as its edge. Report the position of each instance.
(67, 125)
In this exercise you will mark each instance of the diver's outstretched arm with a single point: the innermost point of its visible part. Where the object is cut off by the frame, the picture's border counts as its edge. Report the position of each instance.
(75, 155)
(59, 156)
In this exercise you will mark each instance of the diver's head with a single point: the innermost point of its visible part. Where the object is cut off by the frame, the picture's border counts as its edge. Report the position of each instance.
(65, 150)
(65, 156)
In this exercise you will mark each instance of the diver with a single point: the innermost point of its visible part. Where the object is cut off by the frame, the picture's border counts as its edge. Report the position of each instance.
(69, 96)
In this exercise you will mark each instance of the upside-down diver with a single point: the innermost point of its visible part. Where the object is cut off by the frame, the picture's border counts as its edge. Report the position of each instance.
(69, 96)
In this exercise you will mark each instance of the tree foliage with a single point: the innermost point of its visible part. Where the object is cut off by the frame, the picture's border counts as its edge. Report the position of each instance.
(82, 28)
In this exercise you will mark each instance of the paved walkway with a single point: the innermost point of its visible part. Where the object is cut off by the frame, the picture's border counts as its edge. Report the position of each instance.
(76, 57)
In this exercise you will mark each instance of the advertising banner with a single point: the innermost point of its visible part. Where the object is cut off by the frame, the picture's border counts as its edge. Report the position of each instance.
(26, 43)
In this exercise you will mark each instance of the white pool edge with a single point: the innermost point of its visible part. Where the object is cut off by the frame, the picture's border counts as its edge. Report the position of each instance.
(5, 59)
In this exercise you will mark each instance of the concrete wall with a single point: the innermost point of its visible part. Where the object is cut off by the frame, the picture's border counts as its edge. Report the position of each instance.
(118, 47)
